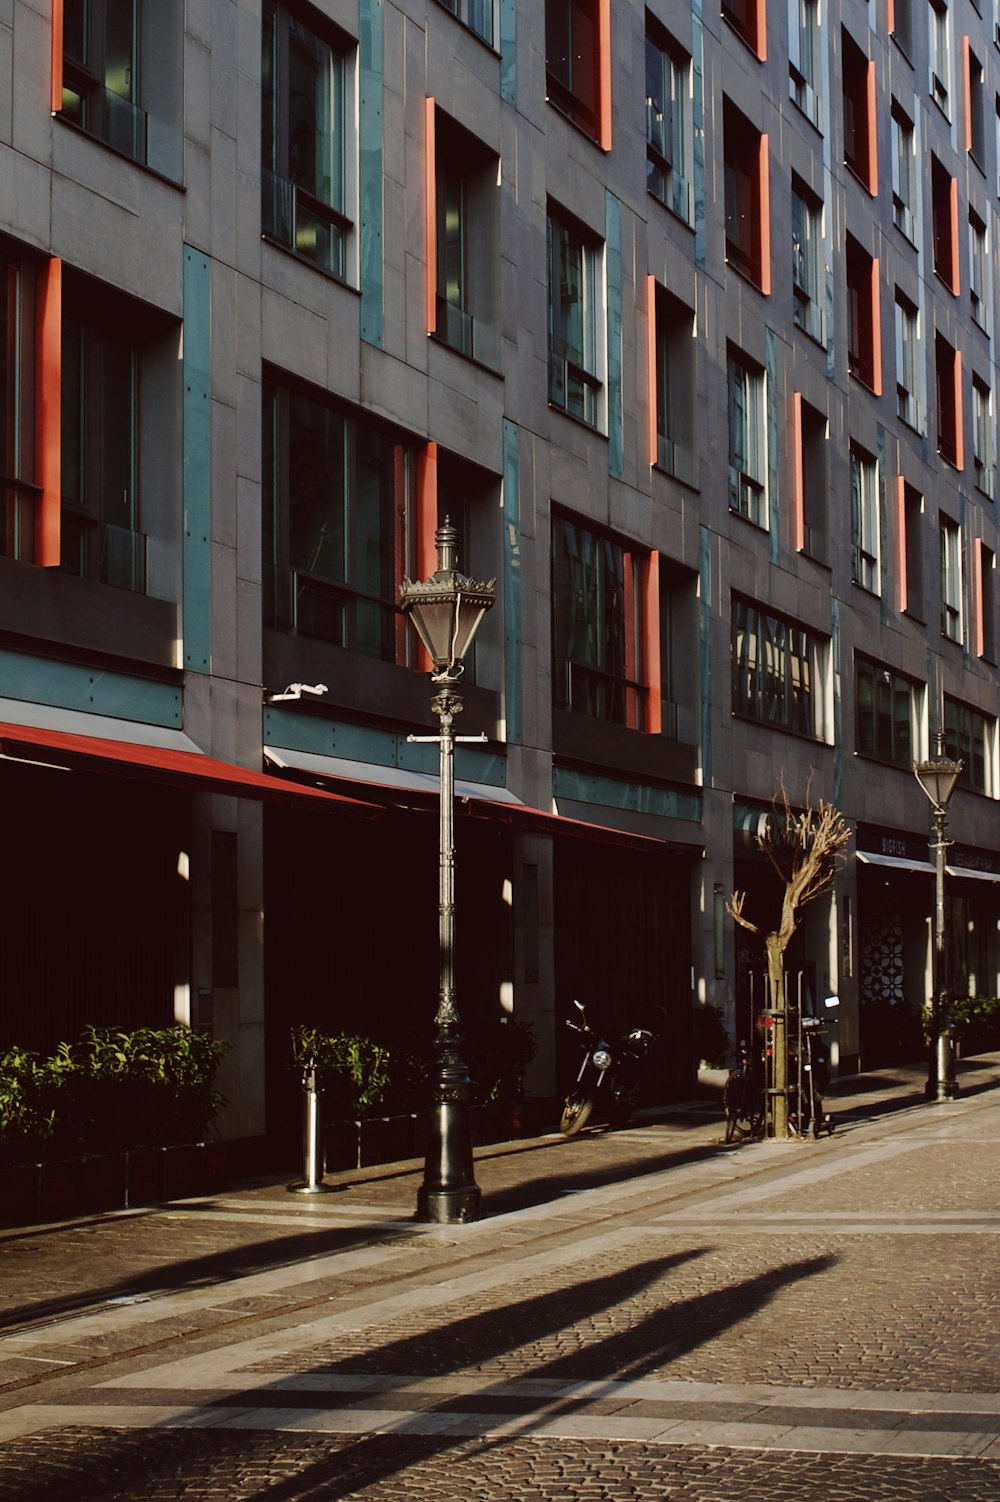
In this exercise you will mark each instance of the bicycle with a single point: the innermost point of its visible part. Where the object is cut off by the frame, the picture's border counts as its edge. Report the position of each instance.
(743, 1100)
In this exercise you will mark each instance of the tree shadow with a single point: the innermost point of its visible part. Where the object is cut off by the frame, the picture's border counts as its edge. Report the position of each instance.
(295, 1249)
(468, 1342)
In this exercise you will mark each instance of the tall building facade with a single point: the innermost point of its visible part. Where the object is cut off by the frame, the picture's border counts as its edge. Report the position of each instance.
(685, 317)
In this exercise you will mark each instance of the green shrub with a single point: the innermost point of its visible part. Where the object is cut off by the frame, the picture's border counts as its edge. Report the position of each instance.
(977, 1023)
(113, 1088)
(354, 1070)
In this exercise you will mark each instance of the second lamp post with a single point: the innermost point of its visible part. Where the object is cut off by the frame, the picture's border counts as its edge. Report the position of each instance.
(446, 610)
(938, 777)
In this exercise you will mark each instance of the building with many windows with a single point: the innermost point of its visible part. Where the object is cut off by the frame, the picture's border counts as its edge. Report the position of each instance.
(685, 316)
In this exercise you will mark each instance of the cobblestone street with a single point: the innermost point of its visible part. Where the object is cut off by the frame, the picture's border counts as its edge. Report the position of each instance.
(791, 1321)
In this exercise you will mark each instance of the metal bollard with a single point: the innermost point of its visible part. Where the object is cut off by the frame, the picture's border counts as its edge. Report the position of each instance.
(944, 1046)
(312, 1137)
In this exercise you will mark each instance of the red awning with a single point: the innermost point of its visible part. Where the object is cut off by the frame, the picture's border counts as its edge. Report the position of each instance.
(188, 769)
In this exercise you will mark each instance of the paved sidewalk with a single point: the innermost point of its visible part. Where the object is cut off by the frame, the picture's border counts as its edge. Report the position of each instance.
(641, 1314)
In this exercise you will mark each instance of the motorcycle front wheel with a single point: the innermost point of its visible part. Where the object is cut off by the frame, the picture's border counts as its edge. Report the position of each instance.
(576, 1112)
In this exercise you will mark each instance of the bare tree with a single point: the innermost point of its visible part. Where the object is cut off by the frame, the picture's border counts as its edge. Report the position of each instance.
(804, 848)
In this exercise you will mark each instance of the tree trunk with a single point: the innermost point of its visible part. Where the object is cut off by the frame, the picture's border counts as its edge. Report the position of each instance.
(778, 1100)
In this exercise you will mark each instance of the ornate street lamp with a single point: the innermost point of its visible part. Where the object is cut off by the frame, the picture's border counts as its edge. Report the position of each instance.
(446, 610)
(938, 776)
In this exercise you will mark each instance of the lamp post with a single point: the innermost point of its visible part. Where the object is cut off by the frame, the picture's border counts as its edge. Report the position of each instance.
(446, 610)
(938, 776)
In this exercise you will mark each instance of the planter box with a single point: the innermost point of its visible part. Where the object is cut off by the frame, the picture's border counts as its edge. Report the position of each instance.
(143, 1176)
(105, 1182)
(61, 1190)
(179, 1172)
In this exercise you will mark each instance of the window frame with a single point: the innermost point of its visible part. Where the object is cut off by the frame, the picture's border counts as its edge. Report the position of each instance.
(907, 331)
(859, 122)
(808, 278)
(294, 214)
(746, 171)
(464, 10)
(864, 332)
(19, 395)
(746, 384)
(980, 271)
(970, 734)
(982, 436)
(951, 581)
(766, 688)
(563, 18)
(939, 52)
(904, 135)
(804, 65)
(613, 688)
(948, 381)
(669, 122)
(575, 386)
(886, 687)
(866, 520)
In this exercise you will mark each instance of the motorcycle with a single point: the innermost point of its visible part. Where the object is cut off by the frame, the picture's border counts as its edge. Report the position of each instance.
(609, 1071)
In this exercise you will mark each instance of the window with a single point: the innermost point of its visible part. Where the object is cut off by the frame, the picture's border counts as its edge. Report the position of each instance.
(907, 361)
(812, 481)
(903, 172)
(746, 190)
(673, 385)
(951, 580)
(902, 26)
(17, 404)
(865, 520)
(747, 19)
(100, 537)
(100, 75)
(573, 62)
(863, 334)
(986, 625)
(970, 735)
(982, 440)
(303, 168)
(808, 282)
(669, 128)
(747, 440)
(777, 671)
(912, 580)
(339, 498)
(859, 117)
(596, 626)
(464, 249)
(948, 373)
(979, 271)
(944, 223)
(884, 704)
(476, 14)
(803, 57)
(574, 259)
(975, 123)
(940, 53)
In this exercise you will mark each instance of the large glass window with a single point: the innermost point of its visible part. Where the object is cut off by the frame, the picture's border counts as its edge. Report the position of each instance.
(940, 51)
(669, 131)
(572, 61)
(944, 225)
(971, 735)
(859, 126)
(338, 506)
(675, 384)
(814, 447)
(745, 17)
(303, 176)
(982, 436)
(574, 262)
(865, 520)
(912, 599)
(947, 371)
(777, 669)
(979, 270)
(863, 333)
(747, 439)
(100, 442)
(17, 405)
(885, 704)
(595, 625)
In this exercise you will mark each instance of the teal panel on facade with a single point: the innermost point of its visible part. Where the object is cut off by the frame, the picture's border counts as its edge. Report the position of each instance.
(196, 593)
(67, 685)
(378, 748)
(633, 797)
(508, 51)
(705, 649)
(512, 580)
(613, 244)
(370, 170)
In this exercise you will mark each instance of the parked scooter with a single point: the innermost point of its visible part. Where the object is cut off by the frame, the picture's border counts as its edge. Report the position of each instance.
(609, 1073)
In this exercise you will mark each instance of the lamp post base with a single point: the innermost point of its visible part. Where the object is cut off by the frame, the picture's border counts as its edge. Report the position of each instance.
(449, 1194)
(449, 1207)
